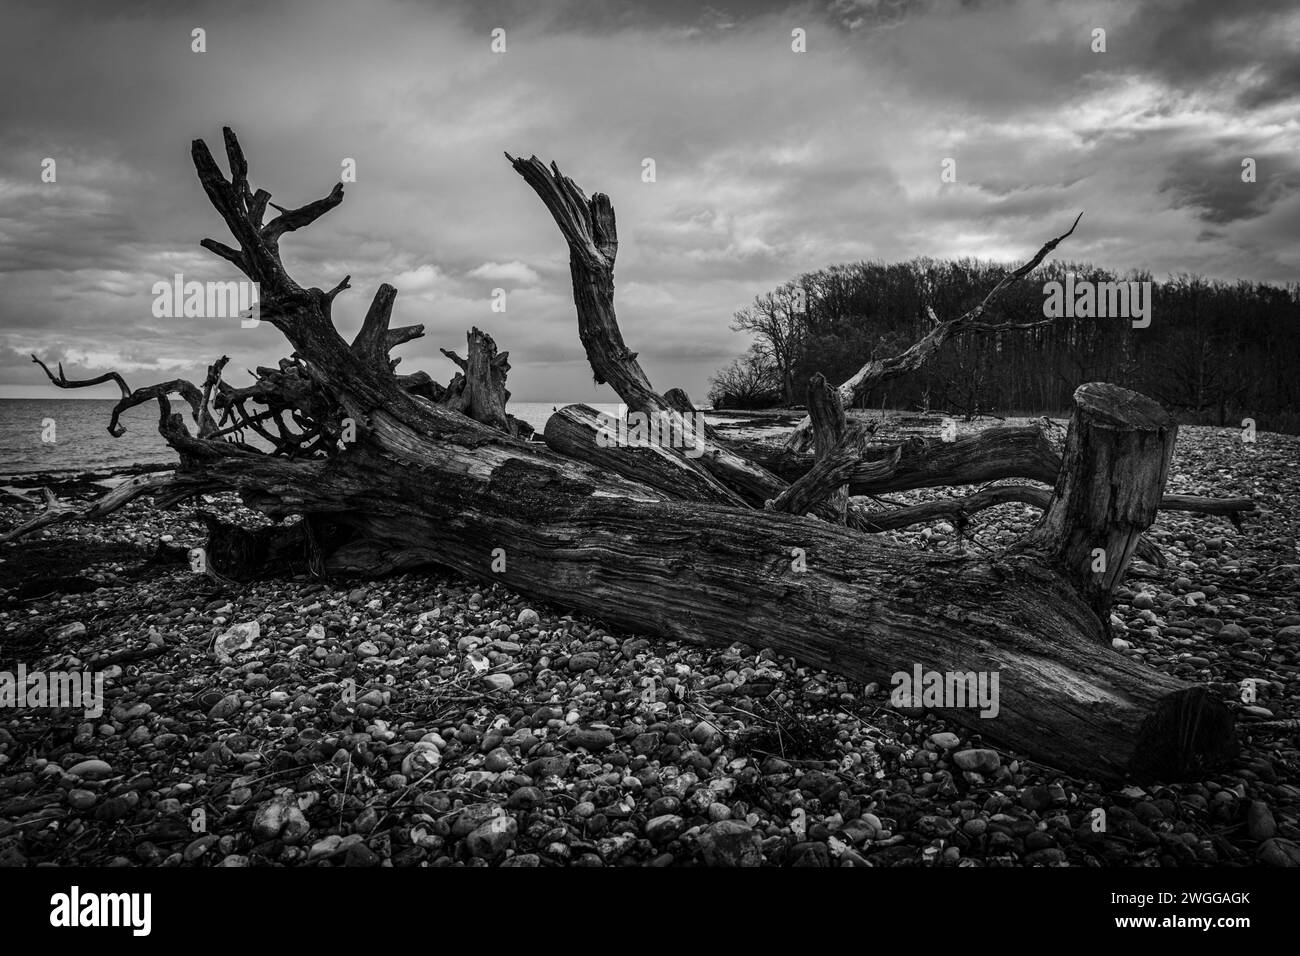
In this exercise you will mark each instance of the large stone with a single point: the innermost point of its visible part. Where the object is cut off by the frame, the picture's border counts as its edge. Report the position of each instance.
(977, 761)
(91, 769)
(661, 829)
(269, 819)
(1233, 633)
(1278, 852)
(226, 708)
(1260, 824)
(810, 853)
(731, 843)
(583, 662)
(239, 637)
(593, 739)
(473, 817)
(493, 838)
(70, 632)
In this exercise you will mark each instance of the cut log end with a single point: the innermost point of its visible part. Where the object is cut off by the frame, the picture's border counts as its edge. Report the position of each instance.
(1110, 406)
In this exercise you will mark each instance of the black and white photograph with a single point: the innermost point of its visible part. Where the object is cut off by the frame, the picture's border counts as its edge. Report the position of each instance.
(650, 434)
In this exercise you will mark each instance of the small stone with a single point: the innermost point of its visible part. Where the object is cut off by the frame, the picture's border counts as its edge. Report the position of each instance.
(497, 760)
(1233, 633)
(227, 707)
(1048, 856)
(527, 618)
(269, 819)
(731, 843)
(1036, 798)
(1278, 852)
(707, 736)
(810, 853)
(945, 740)
(934, 826)
(360, 855)
(91, 769)
(977, 761)
(664, 828)
(81, 799)
(583, 662)
(473, 817)
(553, 766)
(592, 739)
(198, 847)
(1260, 824)
(324, 848)
(493, 838)
(498, 681)
(240, 637)
(295, 825)
(114, 808)
(1144, 601)
(70, 632)
(526, 798)
(423, 759)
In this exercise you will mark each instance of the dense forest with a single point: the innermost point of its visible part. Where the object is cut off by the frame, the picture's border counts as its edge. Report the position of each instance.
(1213, 352)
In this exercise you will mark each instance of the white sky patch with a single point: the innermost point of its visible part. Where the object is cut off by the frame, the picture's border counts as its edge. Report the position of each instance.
(515, 272)
(117, 362)
(421, 280)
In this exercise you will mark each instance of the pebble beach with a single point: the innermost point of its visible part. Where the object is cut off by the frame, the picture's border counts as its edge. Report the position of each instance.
(430, 720)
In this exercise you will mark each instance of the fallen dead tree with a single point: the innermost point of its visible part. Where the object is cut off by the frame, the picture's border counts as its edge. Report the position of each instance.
(387, 472)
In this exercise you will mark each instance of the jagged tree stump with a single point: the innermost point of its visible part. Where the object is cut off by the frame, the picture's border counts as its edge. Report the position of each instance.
(1117, 455)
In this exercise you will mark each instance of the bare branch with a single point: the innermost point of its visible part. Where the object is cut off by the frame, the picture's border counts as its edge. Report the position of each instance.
(590, 231)
(292, 219)
(914, 356)
(62, 381)
(346, 283)
(371, 343)
(57, 511)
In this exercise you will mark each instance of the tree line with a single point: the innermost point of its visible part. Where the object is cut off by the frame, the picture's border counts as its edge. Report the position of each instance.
(1214, 352)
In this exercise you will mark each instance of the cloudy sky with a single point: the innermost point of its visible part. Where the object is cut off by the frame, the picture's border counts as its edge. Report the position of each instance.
(768, 162)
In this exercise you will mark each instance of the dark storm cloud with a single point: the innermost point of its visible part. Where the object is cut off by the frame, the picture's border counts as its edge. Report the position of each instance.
(1214, 185)
(768, 162)
(1195, 44)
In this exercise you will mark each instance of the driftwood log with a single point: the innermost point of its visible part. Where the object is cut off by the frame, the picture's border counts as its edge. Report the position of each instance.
(391, 472)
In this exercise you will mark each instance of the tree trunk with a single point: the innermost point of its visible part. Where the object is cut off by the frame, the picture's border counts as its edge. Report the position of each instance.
(1117, 456)
(717, 574)
(656, 540)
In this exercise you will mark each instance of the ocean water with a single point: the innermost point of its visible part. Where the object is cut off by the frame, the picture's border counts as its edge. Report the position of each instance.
(82, 442)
